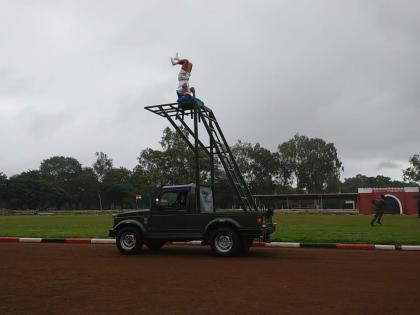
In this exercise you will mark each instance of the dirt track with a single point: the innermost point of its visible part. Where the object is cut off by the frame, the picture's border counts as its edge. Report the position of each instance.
(86, 279)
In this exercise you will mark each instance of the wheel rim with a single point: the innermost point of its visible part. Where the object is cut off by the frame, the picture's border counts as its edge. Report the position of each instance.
(128, 241)
(224, 242)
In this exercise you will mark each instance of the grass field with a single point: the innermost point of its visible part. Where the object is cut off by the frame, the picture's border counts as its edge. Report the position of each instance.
(71, 225)
(396, 229)
(328, 228)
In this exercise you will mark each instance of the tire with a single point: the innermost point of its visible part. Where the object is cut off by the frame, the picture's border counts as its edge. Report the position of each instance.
(129, 240)
(154, 244)
(225, 242)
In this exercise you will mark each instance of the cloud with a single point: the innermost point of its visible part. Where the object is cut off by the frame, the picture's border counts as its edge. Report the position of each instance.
(75, 76)
(388, 164)
(39, 123)
(13, 84)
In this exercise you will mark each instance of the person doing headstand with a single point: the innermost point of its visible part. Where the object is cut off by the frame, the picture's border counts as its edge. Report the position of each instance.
(184, 88)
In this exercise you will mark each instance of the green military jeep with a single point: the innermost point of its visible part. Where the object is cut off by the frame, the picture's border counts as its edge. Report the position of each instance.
(174, 217)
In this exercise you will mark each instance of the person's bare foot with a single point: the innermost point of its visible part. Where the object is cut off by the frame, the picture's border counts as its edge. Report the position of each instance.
(175, 59)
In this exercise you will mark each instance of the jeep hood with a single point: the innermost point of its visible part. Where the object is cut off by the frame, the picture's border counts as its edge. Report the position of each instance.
(132, 213)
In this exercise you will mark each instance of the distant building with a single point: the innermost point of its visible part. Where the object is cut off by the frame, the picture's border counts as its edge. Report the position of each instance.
(398, 200)
(310, 201)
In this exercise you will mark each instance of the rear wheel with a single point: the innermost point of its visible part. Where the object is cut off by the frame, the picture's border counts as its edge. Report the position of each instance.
(154, 244)
(225, 242)
(129, 240)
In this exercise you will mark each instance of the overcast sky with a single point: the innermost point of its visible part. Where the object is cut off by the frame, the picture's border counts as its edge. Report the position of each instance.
(75, 76)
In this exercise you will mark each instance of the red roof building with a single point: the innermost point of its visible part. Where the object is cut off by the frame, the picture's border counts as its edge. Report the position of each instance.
(398, 200)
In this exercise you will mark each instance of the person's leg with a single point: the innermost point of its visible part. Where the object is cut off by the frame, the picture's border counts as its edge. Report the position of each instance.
(175, 59)
(189, 67)
(185, 89)
(372, 222)
(380, 217)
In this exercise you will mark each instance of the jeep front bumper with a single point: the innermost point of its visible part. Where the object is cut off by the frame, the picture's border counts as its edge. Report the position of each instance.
(112, 233)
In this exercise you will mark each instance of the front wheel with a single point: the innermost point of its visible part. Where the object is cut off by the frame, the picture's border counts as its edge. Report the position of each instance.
(225, 242)
(129, 241)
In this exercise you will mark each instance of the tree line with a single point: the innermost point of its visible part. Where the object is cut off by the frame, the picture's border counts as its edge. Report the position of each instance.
(300, 164)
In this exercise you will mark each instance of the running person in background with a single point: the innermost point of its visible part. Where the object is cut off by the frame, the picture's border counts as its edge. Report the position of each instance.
(379, 205)
(184, 88)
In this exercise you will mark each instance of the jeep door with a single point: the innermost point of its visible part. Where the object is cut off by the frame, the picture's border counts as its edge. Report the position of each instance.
(170, 216)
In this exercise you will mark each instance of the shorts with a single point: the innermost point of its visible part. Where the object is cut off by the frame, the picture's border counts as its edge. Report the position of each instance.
(189, 98)
(179, 94)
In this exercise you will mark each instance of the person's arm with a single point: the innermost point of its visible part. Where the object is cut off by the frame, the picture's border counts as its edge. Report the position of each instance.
(192, 89)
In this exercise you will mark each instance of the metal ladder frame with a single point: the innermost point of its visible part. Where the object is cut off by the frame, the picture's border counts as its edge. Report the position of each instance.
(218, 145)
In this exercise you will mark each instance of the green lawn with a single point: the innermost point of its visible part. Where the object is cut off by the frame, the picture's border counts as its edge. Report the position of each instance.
(71, 225)
(396, 229)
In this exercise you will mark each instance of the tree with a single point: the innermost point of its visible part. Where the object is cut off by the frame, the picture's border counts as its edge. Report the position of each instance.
(412, 173)
(313, 163)
(118, 188)
(3, 188)
(102, 166)
(60, 169)
(178, 158)
(361, 181)
(85, 189)
(174, 164)
(284, 175)
(258, 165)
(142, 185)
(30, 190)
(60, 172)
(153, 164)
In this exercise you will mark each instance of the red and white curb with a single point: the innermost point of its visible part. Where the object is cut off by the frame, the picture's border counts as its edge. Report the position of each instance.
(198, 243)
(57, 240)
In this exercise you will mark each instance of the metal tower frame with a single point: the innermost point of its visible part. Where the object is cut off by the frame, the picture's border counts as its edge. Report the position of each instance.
(176, 114)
